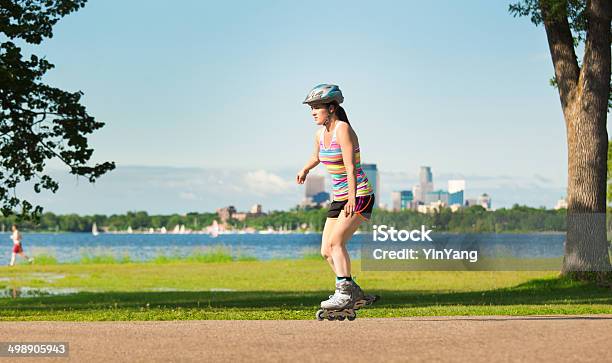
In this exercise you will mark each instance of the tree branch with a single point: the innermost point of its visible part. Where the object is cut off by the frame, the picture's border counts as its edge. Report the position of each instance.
(561, 45)
(595, 72)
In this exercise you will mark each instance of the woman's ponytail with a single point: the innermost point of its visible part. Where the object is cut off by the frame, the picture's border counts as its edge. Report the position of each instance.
(341, 114)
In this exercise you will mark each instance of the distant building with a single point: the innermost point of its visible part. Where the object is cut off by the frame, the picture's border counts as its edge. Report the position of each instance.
(426, 180)
(230, 213)
(416, 192)
(396, 200)
(226, 213)
(240, 216)
(485, 201)
(320, 198)
(469, 202)
(314, 185)
(371, 171)
(256, 208)
(437, 196)
(406, 199)
(425, 175)
(430, 208)
(402, 200)
(561, 204)
(455, 198)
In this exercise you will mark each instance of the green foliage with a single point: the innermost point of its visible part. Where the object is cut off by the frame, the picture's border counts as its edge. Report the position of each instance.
(98, 259)
(37, 121)
(472, 219)
(219, 253)
(50, 222)
(572, 10)
(45, 259)
(213, 254)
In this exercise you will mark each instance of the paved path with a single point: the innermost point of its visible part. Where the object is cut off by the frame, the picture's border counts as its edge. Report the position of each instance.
(460, 339)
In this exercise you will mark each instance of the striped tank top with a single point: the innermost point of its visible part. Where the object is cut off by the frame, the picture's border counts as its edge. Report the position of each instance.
(332, 159)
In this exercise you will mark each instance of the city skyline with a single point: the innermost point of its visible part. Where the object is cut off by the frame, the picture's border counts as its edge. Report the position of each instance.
(167, 190)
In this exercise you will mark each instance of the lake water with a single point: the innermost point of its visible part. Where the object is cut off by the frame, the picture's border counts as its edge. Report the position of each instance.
(67, 247)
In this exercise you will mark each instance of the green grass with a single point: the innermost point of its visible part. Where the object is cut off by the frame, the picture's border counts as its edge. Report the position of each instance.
(218, 253)
(282, 289)
(44, 259)
(311, 254)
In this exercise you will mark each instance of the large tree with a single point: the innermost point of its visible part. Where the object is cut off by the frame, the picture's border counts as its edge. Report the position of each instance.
(584, 91)
(37, 121)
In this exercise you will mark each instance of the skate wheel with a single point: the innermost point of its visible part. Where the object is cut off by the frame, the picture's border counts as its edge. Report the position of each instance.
(341, 317)
(319, 315)
(331, 316)
(351, 316)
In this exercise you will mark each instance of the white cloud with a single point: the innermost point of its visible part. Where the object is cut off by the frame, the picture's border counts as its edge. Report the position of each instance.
(262, 182)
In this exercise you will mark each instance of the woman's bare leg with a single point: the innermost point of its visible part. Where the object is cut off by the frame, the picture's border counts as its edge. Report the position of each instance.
(325, 245)
(343, 231)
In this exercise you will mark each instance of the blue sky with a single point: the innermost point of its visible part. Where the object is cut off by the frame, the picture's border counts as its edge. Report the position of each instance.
(196, 92)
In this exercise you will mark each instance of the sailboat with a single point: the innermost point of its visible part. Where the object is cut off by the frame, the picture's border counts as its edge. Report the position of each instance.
(163, 230)
(129, 230)
(182, 230)
(214, 229)
(94, 229)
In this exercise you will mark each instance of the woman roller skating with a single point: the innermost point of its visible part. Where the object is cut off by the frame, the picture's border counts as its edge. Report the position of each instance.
(337, 147)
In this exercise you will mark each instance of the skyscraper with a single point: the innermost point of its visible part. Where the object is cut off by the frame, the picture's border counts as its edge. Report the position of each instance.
(418, 195)
(315, 184)
(455, 198)
(406, 199)
(396, 201)
(436, 196)
(425, 183)
(456, 190)
(402, 200)
(425, 175)
(371, 171)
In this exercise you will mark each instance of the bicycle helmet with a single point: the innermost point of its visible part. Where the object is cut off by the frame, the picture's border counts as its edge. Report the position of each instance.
(324, 93)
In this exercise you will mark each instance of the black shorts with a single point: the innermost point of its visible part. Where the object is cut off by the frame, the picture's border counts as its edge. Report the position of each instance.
(363, 207)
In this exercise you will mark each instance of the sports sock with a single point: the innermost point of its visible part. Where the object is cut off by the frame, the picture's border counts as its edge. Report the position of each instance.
(343, 278)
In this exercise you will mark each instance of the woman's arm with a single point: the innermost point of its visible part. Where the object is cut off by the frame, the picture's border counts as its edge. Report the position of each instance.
(312, 162)
(348, 157)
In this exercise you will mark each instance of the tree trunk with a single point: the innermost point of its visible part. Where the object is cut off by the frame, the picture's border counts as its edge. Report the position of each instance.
(584, 99)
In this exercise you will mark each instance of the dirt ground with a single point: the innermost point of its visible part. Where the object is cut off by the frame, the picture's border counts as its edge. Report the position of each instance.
(470, 339)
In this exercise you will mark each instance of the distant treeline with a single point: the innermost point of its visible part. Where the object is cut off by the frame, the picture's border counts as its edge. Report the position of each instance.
(474, 219)
(50, 222)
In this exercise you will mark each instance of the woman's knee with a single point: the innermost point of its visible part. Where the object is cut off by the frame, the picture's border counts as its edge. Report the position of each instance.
(325, 251)
(335, 243)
